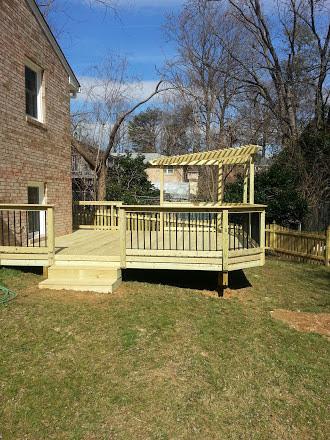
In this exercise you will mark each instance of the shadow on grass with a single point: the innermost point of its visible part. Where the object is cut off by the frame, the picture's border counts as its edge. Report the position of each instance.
(36, 270)
(188, 279)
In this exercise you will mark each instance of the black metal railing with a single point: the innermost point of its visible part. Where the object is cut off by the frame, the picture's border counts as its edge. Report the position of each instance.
(168, 230)
(23, 228)
(244, 230)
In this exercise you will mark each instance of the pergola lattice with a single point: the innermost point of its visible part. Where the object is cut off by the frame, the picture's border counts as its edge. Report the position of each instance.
(229, 156)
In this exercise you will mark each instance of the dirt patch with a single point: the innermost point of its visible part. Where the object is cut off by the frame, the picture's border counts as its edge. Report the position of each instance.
(305, 322)
(243, 295)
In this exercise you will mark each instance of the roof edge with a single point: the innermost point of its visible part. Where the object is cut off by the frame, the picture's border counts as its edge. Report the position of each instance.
(73, 81)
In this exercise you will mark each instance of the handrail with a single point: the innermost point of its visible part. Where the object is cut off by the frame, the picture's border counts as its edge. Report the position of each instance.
(96, 203)
(24, 207)
(195, 208)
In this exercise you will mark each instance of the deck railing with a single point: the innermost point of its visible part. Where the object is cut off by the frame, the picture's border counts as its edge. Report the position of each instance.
(96, 215)
(27, 230)
(202, 231)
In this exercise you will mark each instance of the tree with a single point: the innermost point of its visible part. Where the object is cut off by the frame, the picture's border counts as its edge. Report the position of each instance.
(99, 162)
(109, 103)
(278, 188)
(178, 134)
(144, 130)
(201, 70)
(286, 75)
(129, 181)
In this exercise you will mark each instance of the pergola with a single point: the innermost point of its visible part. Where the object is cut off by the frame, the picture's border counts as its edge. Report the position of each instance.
(244, 155)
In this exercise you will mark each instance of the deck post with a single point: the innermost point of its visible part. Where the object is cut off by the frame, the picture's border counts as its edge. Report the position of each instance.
(251, 183)
(223, 277)
(122, 236)
(262, 234)
(51, 235)
(327, 247)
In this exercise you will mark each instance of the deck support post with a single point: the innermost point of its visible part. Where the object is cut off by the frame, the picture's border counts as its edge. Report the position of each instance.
(222, 283)
(223, 276)
(122, 237)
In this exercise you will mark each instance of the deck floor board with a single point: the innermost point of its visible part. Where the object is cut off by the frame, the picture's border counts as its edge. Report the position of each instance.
(107, 243)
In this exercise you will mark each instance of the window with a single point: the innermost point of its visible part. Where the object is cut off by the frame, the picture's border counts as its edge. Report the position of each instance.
(33, 92)
(169, 170)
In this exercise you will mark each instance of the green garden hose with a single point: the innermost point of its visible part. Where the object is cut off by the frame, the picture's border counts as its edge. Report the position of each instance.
(6, 295)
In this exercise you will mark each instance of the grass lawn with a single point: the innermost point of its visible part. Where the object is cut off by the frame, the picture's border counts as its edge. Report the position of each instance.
(165, 362)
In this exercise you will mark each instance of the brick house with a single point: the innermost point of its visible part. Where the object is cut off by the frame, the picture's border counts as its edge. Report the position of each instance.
(36, 84)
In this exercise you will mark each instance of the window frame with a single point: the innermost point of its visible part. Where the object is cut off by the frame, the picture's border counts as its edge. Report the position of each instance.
(169, 171)
(39, 77)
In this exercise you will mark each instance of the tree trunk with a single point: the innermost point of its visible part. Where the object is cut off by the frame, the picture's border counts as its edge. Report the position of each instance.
(102, 183)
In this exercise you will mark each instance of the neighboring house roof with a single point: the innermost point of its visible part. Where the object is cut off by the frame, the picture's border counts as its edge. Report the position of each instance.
(73, 81)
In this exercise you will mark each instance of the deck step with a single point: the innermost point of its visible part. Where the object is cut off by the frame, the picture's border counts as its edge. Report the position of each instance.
(89, 262)
(83, 272)
(82, 278)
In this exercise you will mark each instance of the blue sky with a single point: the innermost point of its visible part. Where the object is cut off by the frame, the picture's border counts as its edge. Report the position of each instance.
(87, 35)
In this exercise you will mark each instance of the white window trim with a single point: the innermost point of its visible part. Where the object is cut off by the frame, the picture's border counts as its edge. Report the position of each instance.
(169, 171)
(39, 71)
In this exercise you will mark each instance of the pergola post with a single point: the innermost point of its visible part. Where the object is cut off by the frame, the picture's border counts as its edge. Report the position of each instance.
(246, 181)
(161, 189)
(161, 185)
(220, 183)
(251, 185)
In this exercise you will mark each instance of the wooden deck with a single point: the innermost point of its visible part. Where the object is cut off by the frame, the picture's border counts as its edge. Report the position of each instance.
(89, 244)
(109, 238)
(94, 247)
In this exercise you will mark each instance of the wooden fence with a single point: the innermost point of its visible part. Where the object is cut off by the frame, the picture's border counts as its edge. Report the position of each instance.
(301, 246)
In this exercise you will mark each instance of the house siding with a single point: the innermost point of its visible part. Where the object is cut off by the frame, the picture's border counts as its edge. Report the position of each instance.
(33, 152)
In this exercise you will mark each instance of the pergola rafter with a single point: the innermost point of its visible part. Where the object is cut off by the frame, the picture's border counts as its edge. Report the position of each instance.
(228, 156)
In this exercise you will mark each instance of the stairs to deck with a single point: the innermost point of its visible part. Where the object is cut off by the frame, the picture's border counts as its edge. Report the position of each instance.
(94, 278)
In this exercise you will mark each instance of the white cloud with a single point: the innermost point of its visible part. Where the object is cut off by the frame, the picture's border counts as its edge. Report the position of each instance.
(92, 88)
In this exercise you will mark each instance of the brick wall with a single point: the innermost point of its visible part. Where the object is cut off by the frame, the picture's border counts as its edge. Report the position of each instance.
(31, 152)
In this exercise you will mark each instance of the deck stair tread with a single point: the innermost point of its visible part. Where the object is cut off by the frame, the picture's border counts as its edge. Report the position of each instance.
(103, 279)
